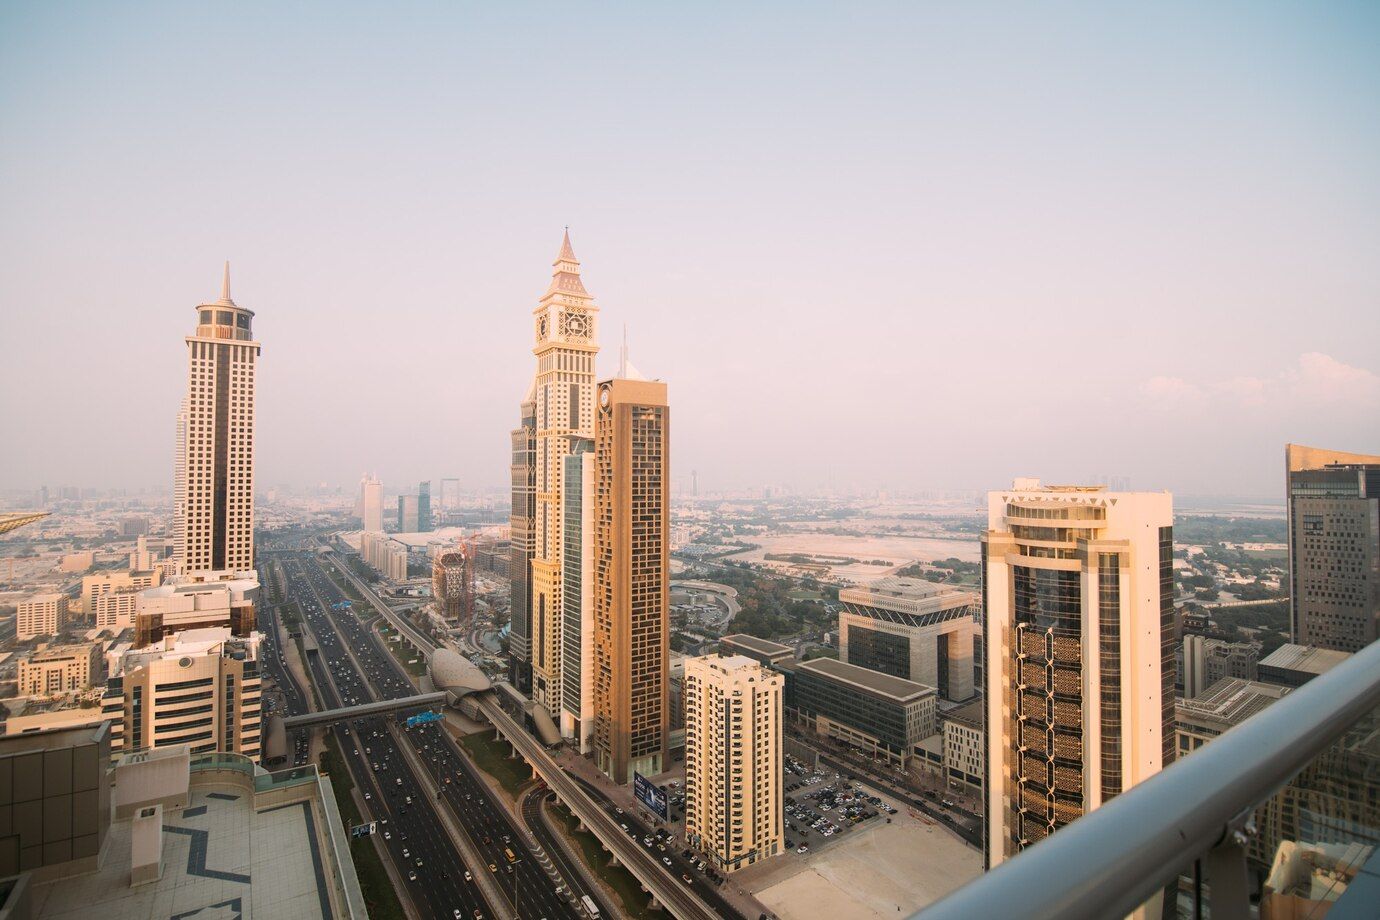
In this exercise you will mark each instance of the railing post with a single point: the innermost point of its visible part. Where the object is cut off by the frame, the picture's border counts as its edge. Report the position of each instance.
(1229, 894)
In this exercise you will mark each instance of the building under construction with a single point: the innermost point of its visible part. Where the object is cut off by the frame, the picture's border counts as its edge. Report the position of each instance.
(452, 582)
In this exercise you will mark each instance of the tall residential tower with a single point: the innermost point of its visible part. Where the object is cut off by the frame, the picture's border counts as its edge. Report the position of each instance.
(1078, 590)
(631, 547)
(566, 332)
(214, 478)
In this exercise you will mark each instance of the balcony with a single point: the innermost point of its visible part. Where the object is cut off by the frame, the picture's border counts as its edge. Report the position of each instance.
(1187, 831)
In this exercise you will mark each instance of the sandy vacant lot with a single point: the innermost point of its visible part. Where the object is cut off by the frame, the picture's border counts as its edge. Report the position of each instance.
(887, 872)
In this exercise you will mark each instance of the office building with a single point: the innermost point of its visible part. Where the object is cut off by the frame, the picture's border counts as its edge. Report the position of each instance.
(142, 558)
(371, 504)
(40, 615)
(77, 562)
(884, 716)
(733, 797)
(94, 587)
(1080, 641)
(521, 524)
(206, 601)
(631, 568)
(566, 333)
(199, 687)
(60, 669)
(763, 651)
(964, 745)
(913, 629)
(1295, 665)
(423, 506)
(1206, 661)
(452, 573)
(214, 482)
(1334, 547)
(450, 495)
(407, 514)
(116, 611)
(577, 579)
(1226, 704)
(134, 525)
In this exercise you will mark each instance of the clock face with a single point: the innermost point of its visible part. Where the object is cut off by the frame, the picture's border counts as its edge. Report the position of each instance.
(575, 325)
(542, 326)
(604, 397)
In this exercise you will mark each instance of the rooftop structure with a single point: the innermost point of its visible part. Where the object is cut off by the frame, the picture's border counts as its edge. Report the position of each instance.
(885, 715)
(1295, 665)
(763, 650)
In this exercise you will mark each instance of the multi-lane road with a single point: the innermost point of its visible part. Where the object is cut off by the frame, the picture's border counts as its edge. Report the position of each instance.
(352, 659)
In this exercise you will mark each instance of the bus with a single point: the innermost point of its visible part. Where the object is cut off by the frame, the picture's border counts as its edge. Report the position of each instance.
(590, 906)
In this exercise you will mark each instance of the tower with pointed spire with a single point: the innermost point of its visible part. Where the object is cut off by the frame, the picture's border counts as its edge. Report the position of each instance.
(565, 329)
(213, 482)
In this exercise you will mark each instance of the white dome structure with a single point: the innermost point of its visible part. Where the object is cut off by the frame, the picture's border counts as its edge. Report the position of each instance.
(455, 674)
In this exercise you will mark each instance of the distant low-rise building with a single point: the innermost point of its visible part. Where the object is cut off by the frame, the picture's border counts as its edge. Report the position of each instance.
(77, 562)
(764, 651)
(60, 669)
(1207, 661)
(884, 716)
(40, 615)
(116, 611)
(94, 587)
(1295, 665)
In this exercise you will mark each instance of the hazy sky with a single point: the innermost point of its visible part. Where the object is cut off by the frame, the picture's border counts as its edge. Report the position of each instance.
(907, 246)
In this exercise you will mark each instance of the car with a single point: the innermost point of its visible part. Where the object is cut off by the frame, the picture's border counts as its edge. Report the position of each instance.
(493, 868)
(456, 914)
(803, 848)
(406, 854)
(411, 876)
(467, 876)
(685, 877)
(419, 863)
(387, 835)
(666, 860)
(368, 797)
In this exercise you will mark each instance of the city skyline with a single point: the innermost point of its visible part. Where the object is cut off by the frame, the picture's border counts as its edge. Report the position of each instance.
(953, 209)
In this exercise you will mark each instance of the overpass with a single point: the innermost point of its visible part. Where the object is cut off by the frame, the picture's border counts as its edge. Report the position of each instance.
(678, 900)
(399, 622)
(344, 713)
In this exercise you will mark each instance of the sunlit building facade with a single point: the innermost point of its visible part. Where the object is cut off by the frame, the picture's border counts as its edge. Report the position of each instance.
(1080, 644)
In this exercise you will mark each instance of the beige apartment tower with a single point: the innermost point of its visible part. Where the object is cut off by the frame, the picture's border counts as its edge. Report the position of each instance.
(565, 328)
(732, 759)
(213, 502)
(40, 615)
(632, 450)
(1080, 639)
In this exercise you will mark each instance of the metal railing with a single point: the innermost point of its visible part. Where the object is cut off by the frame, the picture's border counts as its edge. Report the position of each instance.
(1114, 859)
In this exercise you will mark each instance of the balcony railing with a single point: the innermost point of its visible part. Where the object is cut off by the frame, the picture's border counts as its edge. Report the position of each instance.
(1195, 820)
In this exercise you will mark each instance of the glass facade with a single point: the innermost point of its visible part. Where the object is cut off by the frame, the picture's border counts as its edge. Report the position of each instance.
(1109, 667)
(879, 651)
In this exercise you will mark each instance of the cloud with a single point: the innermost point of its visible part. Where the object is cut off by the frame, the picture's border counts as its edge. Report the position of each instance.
(1315, 381)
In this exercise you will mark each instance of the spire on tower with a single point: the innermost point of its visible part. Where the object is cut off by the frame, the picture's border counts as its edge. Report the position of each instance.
(623, 355)
(567, 254)
(225, 285)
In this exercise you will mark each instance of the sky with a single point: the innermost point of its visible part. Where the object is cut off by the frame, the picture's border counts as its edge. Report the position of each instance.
(896, 246)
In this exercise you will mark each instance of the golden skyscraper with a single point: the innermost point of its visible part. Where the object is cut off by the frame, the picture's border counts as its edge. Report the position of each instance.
(631, 577)
(213, 506)
(566, 326)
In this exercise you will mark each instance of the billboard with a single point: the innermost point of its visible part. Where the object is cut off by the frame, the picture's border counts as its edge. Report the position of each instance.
(651, 795)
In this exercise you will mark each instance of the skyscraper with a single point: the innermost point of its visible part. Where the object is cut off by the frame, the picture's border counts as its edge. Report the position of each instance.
(424, 505)
(631, 577)
(407, 514)
(524, 511)
(214, 478)
(1334, 547)
(577, 618)
(1078, 592)
(566, 326)
(371, 504)
(732, 760)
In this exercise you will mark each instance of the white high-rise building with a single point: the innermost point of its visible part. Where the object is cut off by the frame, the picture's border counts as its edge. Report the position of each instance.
(1078, 592)
(566, 332)
(214, 480)
(371, 504)
(732, 759)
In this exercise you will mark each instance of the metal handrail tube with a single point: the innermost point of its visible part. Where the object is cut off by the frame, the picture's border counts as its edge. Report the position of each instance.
(1110, 861)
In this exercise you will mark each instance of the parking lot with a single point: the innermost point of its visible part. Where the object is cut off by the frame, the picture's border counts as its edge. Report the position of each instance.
(821, 805)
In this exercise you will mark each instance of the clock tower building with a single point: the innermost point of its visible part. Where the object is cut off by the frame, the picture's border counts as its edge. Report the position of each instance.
(565, 326)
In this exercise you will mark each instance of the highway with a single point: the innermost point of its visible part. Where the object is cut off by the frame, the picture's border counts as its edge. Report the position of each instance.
(414, 838)
(531, 892)
(670, 890)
